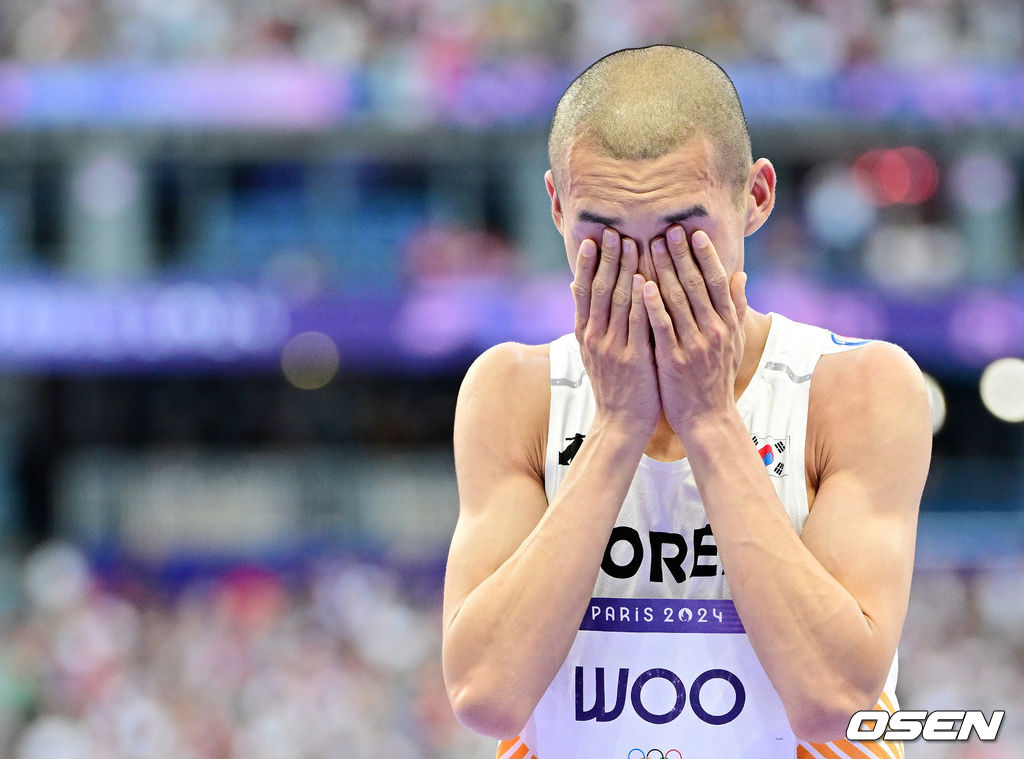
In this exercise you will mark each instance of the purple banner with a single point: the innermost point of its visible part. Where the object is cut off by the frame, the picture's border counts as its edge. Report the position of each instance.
(51, 325)
(61, 325)
(261, 95)
(292, 95)
(660, 615)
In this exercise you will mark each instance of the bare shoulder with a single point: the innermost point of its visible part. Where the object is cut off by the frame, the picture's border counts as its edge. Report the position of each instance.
(504, 402)
(872, 397)
(879, 372)
(505, 361)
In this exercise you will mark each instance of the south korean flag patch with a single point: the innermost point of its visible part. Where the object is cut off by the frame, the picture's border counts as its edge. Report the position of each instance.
(772, 451)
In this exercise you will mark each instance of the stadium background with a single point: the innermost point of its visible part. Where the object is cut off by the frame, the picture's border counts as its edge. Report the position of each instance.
(248, 249)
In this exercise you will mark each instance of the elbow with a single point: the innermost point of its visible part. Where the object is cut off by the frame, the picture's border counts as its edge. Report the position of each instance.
(825, 720)
(488, 711)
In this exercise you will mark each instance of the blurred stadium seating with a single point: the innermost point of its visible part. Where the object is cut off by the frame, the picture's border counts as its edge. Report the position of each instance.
(248, 249)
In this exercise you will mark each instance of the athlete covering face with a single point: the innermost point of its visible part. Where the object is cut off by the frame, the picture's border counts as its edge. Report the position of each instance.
(686, 524)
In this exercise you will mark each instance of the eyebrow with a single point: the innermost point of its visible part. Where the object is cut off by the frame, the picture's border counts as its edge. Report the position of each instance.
(589, 217)
(677, 218)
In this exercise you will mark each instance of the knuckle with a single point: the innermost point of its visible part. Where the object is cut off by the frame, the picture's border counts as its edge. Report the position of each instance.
(620, 297)
(693, 281)
(600, 287)
(718, 280)
(579, 290)
(678, 298)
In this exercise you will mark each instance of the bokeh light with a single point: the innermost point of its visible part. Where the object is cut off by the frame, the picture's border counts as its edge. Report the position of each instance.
(981, 181)
(107, 185)
(913, 256)
(310, 360)
(937, 401)
(56, 577)
(56, 737)
(838, 208)
(1002, 389)
(904, 176)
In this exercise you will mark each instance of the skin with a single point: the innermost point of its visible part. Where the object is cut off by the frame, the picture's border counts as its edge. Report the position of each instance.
(669, 343)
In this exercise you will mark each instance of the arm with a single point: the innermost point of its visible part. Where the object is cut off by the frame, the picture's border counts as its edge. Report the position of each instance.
(823, 610)
(520, 570)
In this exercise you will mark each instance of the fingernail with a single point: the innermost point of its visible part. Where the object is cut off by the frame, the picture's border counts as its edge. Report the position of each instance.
(701, 241)
(675, 234)
(588, 250)
(658, 246)
(609, 237)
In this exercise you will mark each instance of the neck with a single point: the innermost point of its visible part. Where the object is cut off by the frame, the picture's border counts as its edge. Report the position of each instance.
(664, 444)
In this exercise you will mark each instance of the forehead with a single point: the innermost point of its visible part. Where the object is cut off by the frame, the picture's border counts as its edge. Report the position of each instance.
(616, 187)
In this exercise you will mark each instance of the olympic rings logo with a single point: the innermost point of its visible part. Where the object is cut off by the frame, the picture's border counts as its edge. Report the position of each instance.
(654, 753)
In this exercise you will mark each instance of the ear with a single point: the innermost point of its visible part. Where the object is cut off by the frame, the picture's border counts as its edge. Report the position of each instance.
(556, 204)
(760, 196)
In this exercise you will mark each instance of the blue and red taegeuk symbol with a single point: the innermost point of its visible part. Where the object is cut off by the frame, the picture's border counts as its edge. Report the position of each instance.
(772, 452)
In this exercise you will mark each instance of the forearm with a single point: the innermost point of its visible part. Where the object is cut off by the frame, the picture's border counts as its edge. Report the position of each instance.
(809, 632)
(505, 644)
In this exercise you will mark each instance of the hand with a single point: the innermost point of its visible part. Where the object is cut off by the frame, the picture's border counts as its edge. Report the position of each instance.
(696, 313)
(612, 327)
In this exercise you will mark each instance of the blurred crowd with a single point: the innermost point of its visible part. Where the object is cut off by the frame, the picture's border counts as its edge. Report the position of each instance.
(343, 661)
(252, 664)
(962, 648)
(810, 35)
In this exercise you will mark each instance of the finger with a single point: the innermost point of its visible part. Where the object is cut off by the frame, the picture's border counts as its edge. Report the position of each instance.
(604, 280)
(738, 291)
(622, 297)
(639, 322)
(586, 263)
(659, 318)
(691, 278)
(716, 279)
(671, 292)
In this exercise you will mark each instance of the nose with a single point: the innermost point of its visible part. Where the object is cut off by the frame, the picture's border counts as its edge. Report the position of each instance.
(645, 262)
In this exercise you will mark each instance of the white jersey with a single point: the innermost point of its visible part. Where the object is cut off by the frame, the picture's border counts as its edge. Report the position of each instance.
(661, 666)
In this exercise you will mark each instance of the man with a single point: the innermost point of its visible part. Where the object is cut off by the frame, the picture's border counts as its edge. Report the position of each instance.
(726, 499)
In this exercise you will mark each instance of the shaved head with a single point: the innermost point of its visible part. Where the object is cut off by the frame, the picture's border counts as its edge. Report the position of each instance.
(642, 103)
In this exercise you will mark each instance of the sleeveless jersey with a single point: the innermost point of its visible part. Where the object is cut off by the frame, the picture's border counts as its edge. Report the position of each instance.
(661, 667)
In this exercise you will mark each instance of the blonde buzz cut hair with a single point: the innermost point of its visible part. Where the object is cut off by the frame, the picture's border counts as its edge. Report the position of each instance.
(641, 103)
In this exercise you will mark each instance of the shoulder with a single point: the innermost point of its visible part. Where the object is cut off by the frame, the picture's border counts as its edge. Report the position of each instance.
(505, 400)
(865, 401)
(510, 375)
(877, 371)
(506, 362)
